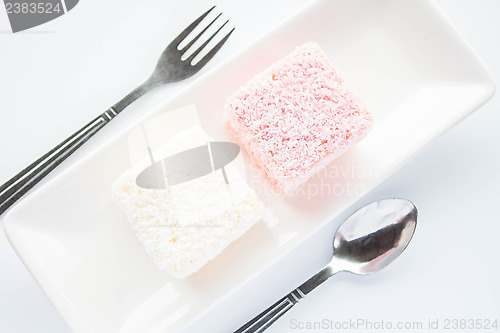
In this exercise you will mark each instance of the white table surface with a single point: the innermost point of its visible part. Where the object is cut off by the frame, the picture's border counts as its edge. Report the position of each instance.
(56, 77)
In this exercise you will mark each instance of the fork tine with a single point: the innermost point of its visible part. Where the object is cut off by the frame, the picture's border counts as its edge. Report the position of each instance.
(213, 51)
(195, 53)
(199, 35)
(190, 28)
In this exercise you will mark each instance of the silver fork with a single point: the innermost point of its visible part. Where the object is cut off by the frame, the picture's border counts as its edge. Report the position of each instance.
(170, 68)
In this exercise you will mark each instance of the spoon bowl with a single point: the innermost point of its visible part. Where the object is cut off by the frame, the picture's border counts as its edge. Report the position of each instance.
(374, 236)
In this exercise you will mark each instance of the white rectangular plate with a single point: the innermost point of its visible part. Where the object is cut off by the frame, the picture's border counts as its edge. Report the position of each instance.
(410, 67)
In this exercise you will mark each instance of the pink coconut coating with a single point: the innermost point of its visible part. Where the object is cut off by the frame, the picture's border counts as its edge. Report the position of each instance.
(295, 117)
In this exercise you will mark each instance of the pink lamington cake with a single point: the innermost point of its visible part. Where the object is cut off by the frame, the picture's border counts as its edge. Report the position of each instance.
(296, 117)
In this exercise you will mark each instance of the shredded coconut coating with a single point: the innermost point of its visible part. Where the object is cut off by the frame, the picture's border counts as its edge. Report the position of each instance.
(184, 227)
(295, 117)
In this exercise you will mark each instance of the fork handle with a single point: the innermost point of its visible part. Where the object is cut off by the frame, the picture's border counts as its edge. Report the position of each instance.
(21, 183)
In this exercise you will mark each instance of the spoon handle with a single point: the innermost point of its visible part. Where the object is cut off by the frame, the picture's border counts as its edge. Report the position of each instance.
(267, 317)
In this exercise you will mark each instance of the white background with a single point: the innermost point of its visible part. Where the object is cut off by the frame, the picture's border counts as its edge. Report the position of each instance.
(56, 77)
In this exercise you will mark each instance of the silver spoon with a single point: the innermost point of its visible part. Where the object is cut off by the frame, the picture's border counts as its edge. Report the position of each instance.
(366, 242)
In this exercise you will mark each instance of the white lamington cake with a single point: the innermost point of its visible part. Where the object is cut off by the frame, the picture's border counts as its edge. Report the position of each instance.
(185, 226)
